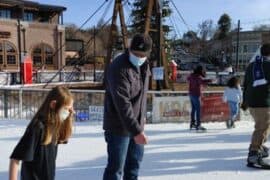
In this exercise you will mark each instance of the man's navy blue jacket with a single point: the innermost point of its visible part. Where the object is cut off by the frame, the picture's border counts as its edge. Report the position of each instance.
(125, 96)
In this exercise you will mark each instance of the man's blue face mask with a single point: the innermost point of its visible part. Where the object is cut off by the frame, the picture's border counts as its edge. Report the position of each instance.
(136, 61)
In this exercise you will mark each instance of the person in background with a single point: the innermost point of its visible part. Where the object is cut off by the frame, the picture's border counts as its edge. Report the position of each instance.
(256, 97)
(233, 96)
(37, 149)
(196, 82)
(126, 85)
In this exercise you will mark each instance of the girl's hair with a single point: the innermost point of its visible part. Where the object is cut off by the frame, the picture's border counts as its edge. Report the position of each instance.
(55, 130)
(199, 70)
(233, 82)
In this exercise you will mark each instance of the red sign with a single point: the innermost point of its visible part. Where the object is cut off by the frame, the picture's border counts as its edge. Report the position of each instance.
(214, 109)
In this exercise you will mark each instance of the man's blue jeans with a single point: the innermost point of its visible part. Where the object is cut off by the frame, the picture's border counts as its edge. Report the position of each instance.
(124, 157)
(195, 110)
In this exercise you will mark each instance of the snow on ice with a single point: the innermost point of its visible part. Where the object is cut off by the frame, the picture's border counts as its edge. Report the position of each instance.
(173, 152)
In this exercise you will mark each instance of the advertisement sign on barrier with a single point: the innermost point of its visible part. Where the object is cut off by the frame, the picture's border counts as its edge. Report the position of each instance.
(214, 109)
(96, 113)
(171, 109)
(82, 116)
(178, 108)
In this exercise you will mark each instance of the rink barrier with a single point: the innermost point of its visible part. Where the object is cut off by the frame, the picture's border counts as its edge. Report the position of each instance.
(23, 103)
(12, 78)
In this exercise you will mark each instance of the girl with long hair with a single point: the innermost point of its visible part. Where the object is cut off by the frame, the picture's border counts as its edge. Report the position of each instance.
(37, 149)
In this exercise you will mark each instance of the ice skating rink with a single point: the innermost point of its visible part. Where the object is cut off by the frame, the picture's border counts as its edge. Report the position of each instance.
(173, 152)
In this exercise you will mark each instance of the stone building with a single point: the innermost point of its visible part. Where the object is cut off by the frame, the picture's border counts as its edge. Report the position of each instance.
(31, 29)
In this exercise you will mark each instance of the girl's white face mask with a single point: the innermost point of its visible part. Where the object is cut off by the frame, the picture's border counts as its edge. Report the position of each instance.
(136, 61)
(63, 114)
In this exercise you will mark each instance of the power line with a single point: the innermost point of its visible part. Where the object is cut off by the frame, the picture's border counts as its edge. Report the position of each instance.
(176, 29)
(85, 22)
(106, 10)
(63, 45)
(83, 57)
(180, 15)
(90, 40)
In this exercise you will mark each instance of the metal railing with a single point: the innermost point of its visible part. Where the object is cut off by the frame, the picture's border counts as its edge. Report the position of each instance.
(23, 103)
(11, 78)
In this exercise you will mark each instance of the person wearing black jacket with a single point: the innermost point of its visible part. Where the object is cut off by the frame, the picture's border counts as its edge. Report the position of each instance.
(256, 96)
(126, 85)
(37, 149)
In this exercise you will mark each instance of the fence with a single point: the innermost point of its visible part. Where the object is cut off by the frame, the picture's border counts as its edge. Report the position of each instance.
(10, 78)
(24, 103)
(68, 76)
(221, 77)
(162, 106)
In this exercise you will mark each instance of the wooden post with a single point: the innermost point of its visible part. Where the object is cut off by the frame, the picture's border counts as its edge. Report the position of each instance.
(158, 39)
(118, 8)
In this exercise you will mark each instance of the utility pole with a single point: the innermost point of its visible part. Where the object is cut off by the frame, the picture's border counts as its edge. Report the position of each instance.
(20, 49)
(94, 54)
(237, 46)
(159, 35)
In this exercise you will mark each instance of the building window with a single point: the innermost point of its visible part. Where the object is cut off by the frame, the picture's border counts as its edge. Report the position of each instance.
(5, 13)
(8, 53)
(9, 48)
(37, 60)
(233, 49)
(245, 49)
(48, 55)
(28, 16)
(42, 54)
(11, 59)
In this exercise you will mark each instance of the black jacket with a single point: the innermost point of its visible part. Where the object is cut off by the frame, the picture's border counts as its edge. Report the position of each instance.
(38, 160)
(257, 96)
(125, 96)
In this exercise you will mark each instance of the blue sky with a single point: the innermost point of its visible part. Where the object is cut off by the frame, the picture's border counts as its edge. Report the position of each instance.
(250, 12)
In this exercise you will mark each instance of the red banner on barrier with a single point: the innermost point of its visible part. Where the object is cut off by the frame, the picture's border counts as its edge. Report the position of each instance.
(214, 109)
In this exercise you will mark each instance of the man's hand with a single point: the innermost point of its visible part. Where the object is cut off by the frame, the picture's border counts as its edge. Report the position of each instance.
(141, 138)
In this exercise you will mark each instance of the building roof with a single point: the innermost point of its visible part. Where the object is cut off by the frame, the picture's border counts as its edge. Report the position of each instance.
(32, 4)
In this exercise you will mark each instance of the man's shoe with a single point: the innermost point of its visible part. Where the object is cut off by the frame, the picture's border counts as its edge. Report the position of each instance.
(255, 160)
(254, 157)
(265, 150)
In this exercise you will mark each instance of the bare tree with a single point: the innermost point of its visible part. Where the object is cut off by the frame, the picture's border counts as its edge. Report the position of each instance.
(206, 30)
(262, 27)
